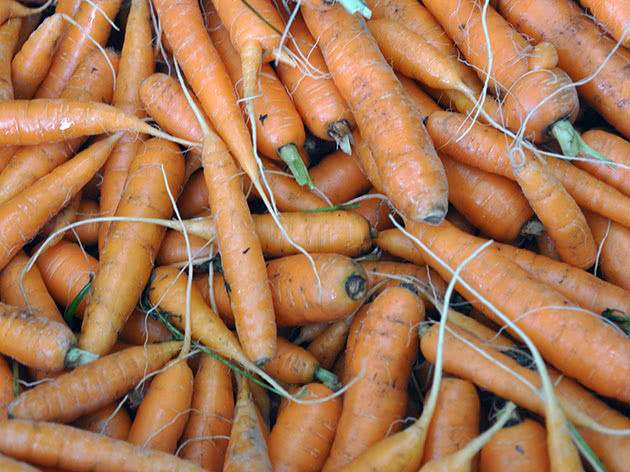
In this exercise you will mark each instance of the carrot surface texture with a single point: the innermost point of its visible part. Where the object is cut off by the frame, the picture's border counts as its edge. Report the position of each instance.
(412, 175)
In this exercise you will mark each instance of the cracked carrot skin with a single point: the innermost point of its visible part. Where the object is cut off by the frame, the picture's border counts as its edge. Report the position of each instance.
(412, 174)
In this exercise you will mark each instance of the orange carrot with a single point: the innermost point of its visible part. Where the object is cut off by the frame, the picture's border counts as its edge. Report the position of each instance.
(211, 415)
(6, 387)
(327, 346)
(163, 413)
(309, 332)
(247, 449)
(46, 444)
(13, 9)
(136, 63)
(11, 465)
(96, 384)
(517, 448)
(30, 65)
(339, 177)
(129, 251)
(61, 220)
(24, 215)
(388, 327)
(303, 434)
(140, 328)
(194, 196)
(413, 177)
(8, 40)
(40, 303)
(86, 234)
(173, 248)
(109, 420)
(376, 211)
(613, 17)
(546, 247)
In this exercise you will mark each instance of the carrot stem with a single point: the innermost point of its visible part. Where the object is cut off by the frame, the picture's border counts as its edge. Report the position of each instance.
(327, 378)
(16, 378)
(290, 155)
(572, 143)
(585, 449)
(76, 357)
(68, 315)
(356, 6)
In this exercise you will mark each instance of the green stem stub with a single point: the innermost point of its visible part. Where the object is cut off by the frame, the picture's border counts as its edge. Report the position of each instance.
(327, 378)
(356, 6)
(572, 143)
(290, 155)
(76, 357)
(68, 315)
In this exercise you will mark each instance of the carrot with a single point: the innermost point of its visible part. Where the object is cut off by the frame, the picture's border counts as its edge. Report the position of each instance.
(6, 387)
(295, 365)
(40, 303)
(339, 177)
(303, 434)
(136, 63)
(462, 460)
(613, 17)
(413, 177)
(457, 219)
(533, 297)
(76, 44)
(219, 297)
(60, 221)
(375, 210)
(211, 415)
(25, 214)
(173, 249)
(557, 210)
(455, 421)
(323, 109)
(129, 251)
(297, 298)
(96, 384)
(8, 40)
(86, 234)
(92, 81)
(47, 444)
(327, 346)
(194, 196)
(13, 9)
(279, 128)
(516, 448)
(68, 7)
(389, 327)
(109, 420)
(30, 65)
(247, 449)
(545, 246)
(309, 332)
(617, 149)
(140, 328)
(66, 269)
(163, 413)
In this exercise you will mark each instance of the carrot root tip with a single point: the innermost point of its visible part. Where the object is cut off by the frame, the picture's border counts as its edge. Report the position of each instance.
(76, 357)
(355, 287)
(356, 6)
(327, 378)
(341, 133)
(572, 143)
(290, 155)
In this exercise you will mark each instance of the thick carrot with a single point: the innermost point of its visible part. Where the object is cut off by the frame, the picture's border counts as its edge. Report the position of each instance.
(388, 327)
(455, 421)
(76, 44)
(6, 387)
(340, 177)
(547, 327)
(109, 420)
(86, 234)
(49, 444)
(413, 177)
(564, 24)
(92, 386)
(92, 81)
(8, 40)
(61, 220)
(194, 196)
(557, 210)
(140, 328)
(24, 215)
(30, 65)
(136, 63)
(516, 448)
(173, 248)
(211, 415)
(130, 248)
(323, 109)
(612, 16)
(163, 413)
(303, 434)
(40, 303)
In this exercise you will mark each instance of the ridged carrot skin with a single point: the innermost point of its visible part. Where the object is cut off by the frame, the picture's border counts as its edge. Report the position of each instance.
(91, 386)
(412, 174)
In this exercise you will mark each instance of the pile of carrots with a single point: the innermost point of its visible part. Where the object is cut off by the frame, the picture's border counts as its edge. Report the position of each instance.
(386, 235)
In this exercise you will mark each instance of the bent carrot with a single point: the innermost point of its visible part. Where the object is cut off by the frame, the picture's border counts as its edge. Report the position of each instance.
(129, 251)
(163, 413)
(24, 215)
(96, 384)
(303, 434)
(413, 177)
(110, 420)
(47, 444)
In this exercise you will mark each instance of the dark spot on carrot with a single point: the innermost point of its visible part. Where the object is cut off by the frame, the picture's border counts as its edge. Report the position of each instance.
(425, 120)
(262, 119)
(94, 69)
(355, 286)
(246, 250)
(519, 449)
(462, 27)
(411, 287)
(228, 290)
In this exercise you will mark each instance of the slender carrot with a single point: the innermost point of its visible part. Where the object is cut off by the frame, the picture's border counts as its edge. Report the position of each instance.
(413, 177)
(30, 65)
(109, 420)
(327, 346)
(82, 451)
(6, 387)
(86, 234)
(13, 9)
(247, 449)
(612, 16)
(129, 251)
(219, 295)
(40, 303)
(140, 328)
(163, 413)
(64, 218)
(303, 434)
(211, 415)
(136, 63)
(96, 384)
(516, 448)
(389, 324)
(24, 215)
(309, 332)
(92, 81)
(340, 177)
(8, 40)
